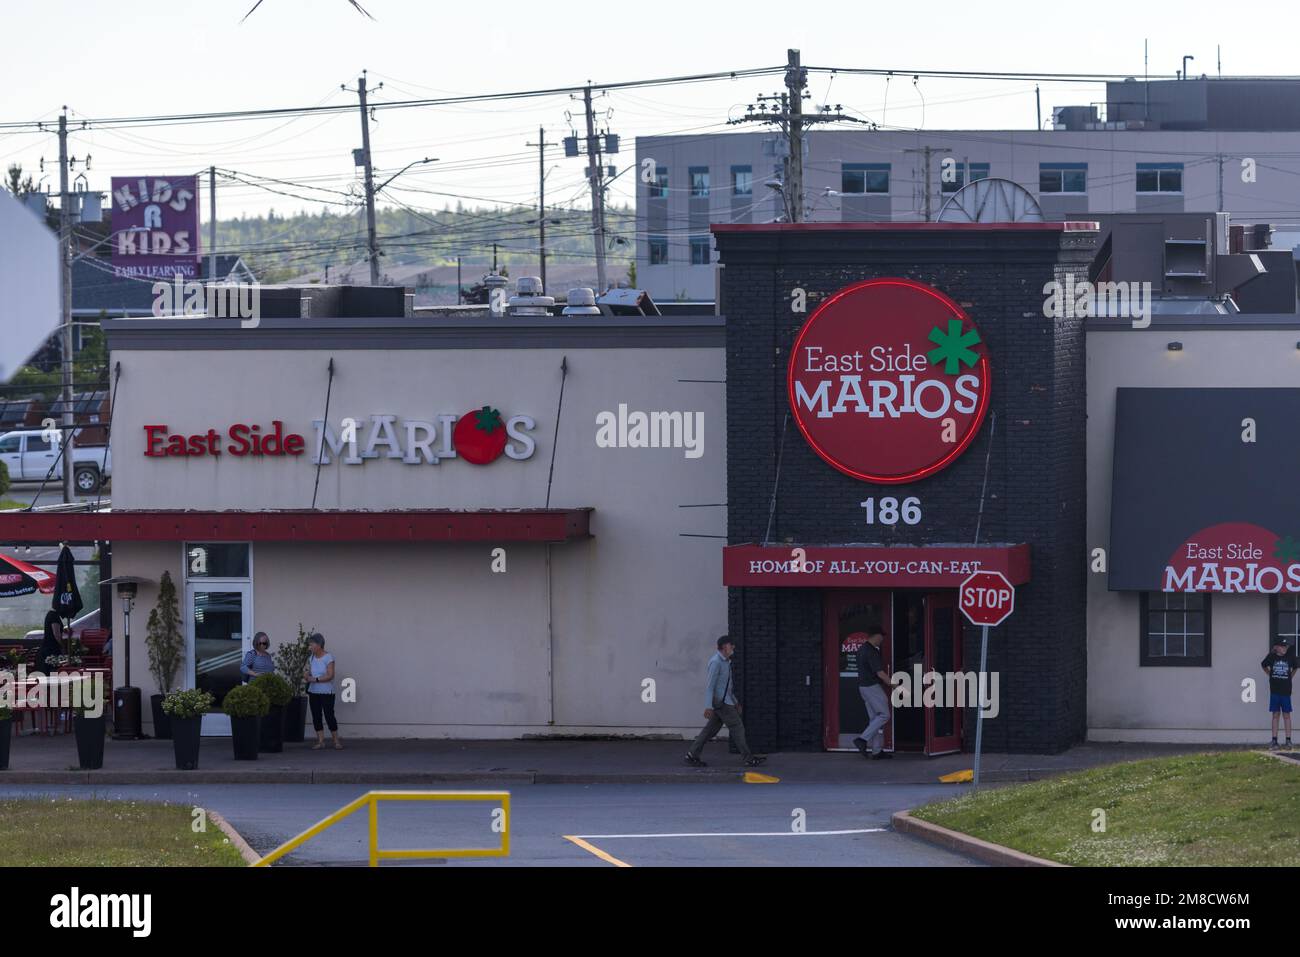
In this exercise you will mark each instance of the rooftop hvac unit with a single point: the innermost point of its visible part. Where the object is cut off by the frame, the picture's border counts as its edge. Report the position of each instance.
(582, 302)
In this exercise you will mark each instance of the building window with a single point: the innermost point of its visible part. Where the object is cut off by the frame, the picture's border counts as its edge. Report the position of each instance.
(658, 250)
(864, 178)
(976, 170)
(701, 252)
(1284, 619)
(1175, 629)
(1063, 177)
(699, 182)
(1159, 177)
(742, 180)
(659, 185)
(217, 560)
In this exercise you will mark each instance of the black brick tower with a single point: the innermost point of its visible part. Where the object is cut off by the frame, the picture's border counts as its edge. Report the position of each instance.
(1032, 439)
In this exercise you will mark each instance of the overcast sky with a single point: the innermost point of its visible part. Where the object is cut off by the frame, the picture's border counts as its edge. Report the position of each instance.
(142, 57)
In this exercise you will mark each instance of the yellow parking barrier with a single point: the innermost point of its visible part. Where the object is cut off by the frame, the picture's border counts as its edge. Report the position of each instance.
(371, 800)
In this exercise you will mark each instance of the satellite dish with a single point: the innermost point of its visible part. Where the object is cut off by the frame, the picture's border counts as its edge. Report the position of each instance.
(991, 200)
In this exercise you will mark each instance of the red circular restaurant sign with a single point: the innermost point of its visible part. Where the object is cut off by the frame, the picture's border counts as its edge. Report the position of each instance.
(889, 380)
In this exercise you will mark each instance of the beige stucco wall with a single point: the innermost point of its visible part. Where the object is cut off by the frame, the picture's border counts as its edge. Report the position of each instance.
(438, 643)
(1127, 702)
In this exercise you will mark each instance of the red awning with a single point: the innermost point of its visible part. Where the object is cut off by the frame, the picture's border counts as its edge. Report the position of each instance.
(869, 566)
(422, 525)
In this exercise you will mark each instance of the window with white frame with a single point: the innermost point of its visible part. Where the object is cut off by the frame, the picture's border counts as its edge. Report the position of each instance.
(1175, 629)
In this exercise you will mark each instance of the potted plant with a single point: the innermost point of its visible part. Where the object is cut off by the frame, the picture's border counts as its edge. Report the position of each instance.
(278, 694)
(290, 662)
(186, 710)
(165, 643)
(88, 718)
(247, 706)
(6, 733)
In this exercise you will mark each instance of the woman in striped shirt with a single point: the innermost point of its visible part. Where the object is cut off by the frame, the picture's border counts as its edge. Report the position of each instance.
(258, 660)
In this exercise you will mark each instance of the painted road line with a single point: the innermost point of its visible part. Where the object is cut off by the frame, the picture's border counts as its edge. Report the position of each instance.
(609, 858)
(608, 837)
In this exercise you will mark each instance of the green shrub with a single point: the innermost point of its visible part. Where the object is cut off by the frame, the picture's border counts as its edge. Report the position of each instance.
(275, 688)
(291, 660)
(164, 638)
(4, 478)
(193, 703)
(245, 701)
(6, 714)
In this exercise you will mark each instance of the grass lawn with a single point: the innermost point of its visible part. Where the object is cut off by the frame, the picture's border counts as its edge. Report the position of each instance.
(45, 832)
(1227, 808)
(8, 503)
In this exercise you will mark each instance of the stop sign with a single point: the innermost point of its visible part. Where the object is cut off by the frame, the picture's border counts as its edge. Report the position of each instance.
(987, 598)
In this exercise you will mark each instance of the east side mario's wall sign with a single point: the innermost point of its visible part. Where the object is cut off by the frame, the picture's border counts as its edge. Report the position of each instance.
(889, 381)
(480, 436)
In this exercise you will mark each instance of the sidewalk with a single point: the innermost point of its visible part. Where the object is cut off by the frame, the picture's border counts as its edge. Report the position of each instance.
(387, 762)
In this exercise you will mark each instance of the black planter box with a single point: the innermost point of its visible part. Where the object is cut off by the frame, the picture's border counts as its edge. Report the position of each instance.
(272, 730)
(162, 721)
(295, 721)
(245, 734)
(90, 741)
(6, 736)
(186, 734)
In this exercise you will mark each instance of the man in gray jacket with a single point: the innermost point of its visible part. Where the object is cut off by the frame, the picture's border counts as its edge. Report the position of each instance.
(721, 707)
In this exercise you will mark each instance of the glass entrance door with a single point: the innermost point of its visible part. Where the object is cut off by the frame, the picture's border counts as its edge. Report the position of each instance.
(848, 618)
(943, 656)
(217, 634)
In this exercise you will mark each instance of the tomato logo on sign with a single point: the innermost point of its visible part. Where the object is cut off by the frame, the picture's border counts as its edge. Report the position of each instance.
(889, 381)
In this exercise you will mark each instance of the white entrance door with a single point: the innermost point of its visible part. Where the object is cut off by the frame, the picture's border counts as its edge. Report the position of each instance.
(218, 620)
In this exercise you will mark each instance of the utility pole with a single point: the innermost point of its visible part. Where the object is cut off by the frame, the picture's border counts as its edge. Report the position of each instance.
(594, 174)
(786, 113)
(362, 158)
(1220, 159)
(796, 78)
(212, 224)
(459, 294)
(66, 244)
(541, 145)
(927, 150)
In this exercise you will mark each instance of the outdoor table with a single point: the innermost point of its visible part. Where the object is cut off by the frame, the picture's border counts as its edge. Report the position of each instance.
(51, 716)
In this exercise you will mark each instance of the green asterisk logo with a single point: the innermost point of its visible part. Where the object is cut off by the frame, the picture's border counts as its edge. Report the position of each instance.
(488, 419)
(1288, 549)
(953, 347)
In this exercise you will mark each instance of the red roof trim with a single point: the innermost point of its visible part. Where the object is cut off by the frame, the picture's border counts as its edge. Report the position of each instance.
(1054, 227)
(425, 525)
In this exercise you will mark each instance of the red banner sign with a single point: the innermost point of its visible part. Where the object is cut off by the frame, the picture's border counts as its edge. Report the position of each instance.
(868, 566)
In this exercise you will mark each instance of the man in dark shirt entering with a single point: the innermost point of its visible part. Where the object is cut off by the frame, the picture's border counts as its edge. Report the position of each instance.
(872, 685)
(1280, 666)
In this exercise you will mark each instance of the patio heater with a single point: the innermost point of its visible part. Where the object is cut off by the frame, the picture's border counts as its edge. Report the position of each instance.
(126, 699)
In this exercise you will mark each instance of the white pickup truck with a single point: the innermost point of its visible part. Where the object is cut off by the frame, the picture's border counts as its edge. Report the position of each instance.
(29, 454)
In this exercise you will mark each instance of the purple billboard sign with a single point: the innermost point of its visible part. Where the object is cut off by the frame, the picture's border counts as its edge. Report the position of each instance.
(156, 226)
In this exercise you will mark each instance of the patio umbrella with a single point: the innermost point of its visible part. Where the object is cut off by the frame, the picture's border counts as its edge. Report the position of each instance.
(67, 599)
(19, 578)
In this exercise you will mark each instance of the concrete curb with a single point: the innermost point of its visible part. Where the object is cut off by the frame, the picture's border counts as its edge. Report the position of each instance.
(236, 839)
(984, 851)
(376, 778)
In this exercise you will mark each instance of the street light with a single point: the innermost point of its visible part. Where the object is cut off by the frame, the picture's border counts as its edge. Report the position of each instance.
(419, 162)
